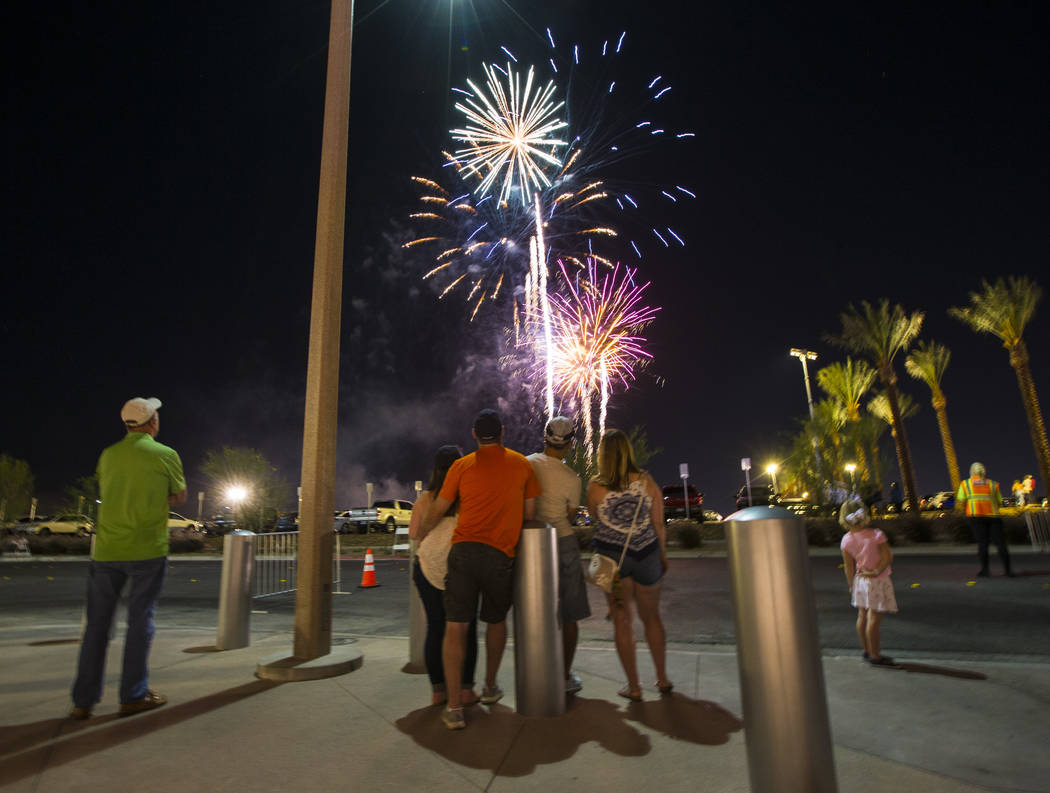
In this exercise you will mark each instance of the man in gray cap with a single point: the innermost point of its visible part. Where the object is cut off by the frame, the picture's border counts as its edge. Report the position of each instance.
(139, 479)
(557, 506)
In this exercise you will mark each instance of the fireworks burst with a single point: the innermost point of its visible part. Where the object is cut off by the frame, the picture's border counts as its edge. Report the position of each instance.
(508, 132)
(595, 339)
(478, 229)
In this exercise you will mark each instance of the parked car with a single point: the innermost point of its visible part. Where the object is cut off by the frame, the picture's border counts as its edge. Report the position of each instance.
(800, 506)
(761, 495)
(177, 521)
(220, 524)
(27, 524)
(288, 521)
(80, 525)
(675, 501)
(943, 500)
(356, 519)
(392, 513)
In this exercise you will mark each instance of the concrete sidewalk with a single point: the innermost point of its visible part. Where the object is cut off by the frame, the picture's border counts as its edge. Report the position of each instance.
(943, 725)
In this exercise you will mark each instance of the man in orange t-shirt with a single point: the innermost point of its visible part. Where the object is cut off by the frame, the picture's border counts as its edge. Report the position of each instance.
(496, 489)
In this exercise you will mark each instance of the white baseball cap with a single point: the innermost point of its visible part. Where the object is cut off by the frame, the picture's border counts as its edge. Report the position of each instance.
(559, 432)
(139, 411)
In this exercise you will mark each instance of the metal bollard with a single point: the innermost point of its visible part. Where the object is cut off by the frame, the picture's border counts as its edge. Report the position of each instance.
(417, 620)
(778, 653)
(235, 593)
(539, 666)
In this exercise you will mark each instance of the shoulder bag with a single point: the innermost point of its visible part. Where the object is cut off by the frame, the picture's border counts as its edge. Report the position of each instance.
(603, 570)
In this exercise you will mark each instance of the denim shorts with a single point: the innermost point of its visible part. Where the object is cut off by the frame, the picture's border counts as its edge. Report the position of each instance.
(645, 571)
(476, 570)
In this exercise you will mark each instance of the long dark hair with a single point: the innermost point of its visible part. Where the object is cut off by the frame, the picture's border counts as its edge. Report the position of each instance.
(443, 459)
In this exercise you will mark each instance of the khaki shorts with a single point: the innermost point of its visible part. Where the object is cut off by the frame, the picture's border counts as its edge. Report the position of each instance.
(572, 589)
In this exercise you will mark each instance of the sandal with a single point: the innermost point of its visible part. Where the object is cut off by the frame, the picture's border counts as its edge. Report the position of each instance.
(633, 694)
(665, 689)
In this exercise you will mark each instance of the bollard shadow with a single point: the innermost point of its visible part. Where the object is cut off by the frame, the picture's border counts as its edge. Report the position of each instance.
(61, 741)
(946, 671)
(204, 648)
(50, 642)
(684, 719)
(498, 740)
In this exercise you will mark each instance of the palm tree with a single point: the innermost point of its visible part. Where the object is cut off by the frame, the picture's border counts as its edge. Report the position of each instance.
(879, 408)
(1004, 309)
(880, 332)
(928, 362)
(847, 383)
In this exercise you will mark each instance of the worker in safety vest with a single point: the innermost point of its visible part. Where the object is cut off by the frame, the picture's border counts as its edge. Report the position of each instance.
(980, 499)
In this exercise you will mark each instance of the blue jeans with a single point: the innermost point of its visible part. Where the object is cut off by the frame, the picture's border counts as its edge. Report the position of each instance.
(105, 580)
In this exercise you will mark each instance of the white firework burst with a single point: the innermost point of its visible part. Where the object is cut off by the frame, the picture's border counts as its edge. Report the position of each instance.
(509, 133)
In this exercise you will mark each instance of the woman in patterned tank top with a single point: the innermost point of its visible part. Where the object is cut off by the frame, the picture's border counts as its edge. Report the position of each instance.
(622, 495)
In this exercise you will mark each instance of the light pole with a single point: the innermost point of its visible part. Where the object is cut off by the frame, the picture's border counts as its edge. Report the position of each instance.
(803, 356)
(852, 467)
(772, 469)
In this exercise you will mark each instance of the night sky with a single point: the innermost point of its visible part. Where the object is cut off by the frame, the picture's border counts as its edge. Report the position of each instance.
(162, 189)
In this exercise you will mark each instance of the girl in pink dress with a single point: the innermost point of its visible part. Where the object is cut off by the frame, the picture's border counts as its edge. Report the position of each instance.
(866, 558)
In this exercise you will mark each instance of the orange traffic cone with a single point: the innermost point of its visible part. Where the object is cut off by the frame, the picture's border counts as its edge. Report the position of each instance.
(368, 576)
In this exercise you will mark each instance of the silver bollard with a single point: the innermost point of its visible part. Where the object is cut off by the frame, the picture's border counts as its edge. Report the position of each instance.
(778, 652)
(539, 666)
(417, 620)
(235, 593)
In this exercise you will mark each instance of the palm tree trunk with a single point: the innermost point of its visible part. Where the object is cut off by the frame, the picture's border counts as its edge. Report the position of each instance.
(1019, 361)
(900, 437)
(940, 408)
(863, 471)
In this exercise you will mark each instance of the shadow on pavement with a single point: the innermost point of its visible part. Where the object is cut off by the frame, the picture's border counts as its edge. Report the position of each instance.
(685, 719)
(102, 732)
(497, 739)
(947, 671)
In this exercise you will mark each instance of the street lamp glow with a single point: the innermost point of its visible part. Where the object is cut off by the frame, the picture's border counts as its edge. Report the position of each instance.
(772, 469)
(236, 494)
(852, 467)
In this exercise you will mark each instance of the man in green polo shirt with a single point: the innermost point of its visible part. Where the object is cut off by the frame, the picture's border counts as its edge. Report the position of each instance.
(139, 479)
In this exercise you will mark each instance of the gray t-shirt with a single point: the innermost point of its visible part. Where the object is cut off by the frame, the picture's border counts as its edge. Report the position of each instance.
(561, 491)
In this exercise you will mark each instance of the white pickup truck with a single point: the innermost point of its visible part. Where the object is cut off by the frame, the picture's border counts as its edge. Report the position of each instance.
(386, 515)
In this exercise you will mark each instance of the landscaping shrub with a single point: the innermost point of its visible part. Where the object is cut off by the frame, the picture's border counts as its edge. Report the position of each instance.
(684, 533)
(183, 541)
(822, 532)
(1016, 530)
(915, 530)
(58, 545)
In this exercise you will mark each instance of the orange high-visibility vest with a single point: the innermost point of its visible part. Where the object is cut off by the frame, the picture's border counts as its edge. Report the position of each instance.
(980, 496)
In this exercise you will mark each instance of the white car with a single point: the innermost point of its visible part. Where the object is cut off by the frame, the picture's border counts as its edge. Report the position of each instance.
(80, 525)
(177, 521)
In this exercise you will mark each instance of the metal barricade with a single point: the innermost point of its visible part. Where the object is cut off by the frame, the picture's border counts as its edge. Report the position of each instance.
(277, 564)
(1038, 528)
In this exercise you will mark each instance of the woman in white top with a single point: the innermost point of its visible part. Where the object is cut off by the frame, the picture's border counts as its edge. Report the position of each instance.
(627, 503)
(429, 576)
